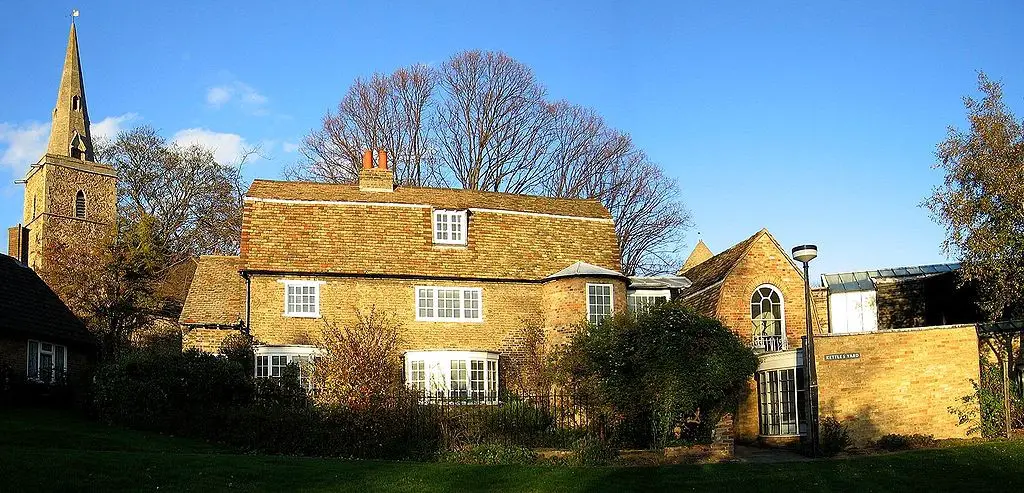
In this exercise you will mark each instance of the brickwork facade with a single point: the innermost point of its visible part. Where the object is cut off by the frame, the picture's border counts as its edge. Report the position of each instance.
(370, 246)
(902, 382)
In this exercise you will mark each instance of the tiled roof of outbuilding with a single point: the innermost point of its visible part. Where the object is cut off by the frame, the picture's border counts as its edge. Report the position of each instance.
(440, 198)
(217, 293)
(28, 306)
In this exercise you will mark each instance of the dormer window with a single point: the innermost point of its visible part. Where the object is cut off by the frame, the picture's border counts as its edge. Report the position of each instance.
(450, 227)
(80, 205)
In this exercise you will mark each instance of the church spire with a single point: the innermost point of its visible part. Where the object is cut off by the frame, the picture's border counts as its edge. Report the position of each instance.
(69, 136)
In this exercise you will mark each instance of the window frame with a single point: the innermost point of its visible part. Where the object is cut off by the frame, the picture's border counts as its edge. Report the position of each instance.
(435, 304)
(611, 302)
(464, 218)
(300, 283)
(770, 410)
(783, 343)
(653, 294)
(38, 357)
(438, 368)
(85, 205)
(290, 355)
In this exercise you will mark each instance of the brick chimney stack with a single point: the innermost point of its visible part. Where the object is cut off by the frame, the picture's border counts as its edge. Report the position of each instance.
(376, 178)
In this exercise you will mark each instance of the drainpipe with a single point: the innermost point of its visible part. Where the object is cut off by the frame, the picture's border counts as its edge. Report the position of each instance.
(248, 310)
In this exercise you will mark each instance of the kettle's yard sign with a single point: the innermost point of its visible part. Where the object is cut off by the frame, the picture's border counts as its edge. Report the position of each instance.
(841, 356)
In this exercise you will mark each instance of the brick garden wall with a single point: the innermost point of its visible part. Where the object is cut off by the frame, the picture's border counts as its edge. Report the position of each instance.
(903, 381)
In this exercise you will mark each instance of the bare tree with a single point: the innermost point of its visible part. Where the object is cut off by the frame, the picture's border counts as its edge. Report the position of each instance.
(494, 125)
(490, 128)
(388, 112)
(592, 161)
(196, 201)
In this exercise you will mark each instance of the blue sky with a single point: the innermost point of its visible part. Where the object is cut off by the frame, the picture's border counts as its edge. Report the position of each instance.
(817, 120)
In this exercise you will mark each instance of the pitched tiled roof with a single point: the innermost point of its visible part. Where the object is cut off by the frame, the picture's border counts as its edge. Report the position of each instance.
(172, 287)
(29, 307)
(440, 198)
(217, 293)
(707, 276)
(340, 230)
(700, 253)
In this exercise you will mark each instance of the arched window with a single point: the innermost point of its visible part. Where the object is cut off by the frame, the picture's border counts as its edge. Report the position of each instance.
(76, 103)
(767, 315)
(80, 205)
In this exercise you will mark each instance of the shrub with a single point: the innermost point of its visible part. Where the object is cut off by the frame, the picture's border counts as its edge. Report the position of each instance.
(656, 371)
(982, 411)
(588, 451)
(835, 437)
(894, 441)
(497, 453)
(162, 389)
(359, 363)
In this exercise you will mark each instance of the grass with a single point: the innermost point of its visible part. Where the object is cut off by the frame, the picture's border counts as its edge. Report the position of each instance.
(50, 451)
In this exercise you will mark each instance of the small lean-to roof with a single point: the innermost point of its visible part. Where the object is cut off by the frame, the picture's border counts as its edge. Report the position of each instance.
(865, 280)
(217, 293)
(659, 282)
(30, 308)
(439, 198)
(583, 269)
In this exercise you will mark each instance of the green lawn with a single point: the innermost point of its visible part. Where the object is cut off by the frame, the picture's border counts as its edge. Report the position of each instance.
(47, 451)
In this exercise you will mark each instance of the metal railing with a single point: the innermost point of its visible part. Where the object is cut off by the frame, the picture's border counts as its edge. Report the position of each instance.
(769, 343)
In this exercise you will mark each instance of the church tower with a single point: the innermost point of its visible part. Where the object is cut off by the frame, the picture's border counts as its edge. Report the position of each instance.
(70, 199)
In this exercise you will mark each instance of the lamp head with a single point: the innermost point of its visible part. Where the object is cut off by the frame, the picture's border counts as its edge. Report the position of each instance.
(805, 253)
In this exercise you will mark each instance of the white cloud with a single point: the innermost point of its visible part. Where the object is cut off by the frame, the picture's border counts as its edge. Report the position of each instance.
(217, 96)
(244, 96)
(227, 148)
(289, 147)
(22, 144)
(109, 127)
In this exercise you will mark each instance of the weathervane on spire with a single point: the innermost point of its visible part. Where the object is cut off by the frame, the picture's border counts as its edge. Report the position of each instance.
(74, 13)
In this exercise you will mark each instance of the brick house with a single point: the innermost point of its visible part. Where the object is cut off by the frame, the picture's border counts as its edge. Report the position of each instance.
(757, 291)
(464, 272)
(886, 360)
(40, 339)
(899, 347)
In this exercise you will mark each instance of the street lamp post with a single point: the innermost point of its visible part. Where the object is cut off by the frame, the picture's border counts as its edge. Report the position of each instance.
(804, 254)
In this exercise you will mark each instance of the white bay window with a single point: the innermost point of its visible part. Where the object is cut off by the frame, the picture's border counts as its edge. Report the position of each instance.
(460, 375)
(271, 361)
(437, 303)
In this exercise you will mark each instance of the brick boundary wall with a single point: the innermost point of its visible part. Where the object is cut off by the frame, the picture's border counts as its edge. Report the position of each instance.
(897, 381)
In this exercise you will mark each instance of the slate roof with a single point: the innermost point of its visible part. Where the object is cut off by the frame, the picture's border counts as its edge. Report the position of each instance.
(441, 198)
(864, 280)
(586, 270)
(217, 293)
(29, 307)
